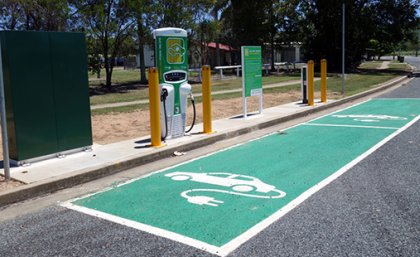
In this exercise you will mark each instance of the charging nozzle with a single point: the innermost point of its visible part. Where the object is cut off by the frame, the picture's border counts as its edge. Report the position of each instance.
(163, 95)
(194, 112)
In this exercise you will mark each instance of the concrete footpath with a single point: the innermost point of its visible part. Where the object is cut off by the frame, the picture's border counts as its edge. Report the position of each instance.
(51, 175)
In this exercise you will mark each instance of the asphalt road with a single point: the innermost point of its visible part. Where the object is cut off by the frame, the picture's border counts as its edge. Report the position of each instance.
(372, 210)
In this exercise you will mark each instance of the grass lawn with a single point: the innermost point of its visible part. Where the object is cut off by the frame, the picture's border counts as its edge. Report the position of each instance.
(217, 85)
(355, 83)
(370, 65)
(397, 66)
(119, 76)
(236, 83)
(408, 53)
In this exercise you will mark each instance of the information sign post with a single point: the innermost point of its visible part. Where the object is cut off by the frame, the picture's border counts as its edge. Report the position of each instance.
(251, 75)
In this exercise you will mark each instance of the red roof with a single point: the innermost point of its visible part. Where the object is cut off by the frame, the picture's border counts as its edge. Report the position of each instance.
(221, 46)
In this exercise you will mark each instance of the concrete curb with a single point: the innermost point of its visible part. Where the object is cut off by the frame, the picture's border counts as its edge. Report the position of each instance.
(37, 189)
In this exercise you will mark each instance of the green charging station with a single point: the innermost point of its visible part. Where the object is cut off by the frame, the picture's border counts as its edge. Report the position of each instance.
(171, 53)
(46, 90)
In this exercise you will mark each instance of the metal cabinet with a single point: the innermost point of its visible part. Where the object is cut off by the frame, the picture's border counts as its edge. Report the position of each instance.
(46, 92)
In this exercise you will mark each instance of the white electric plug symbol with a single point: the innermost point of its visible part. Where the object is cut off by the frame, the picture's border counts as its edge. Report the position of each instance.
(206, 200)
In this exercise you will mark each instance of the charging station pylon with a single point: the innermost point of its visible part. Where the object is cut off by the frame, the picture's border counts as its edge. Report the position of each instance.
(171, 56)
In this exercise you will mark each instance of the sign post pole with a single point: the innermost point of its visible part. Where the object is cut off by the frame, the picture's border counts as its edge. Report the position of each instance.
(6, 160)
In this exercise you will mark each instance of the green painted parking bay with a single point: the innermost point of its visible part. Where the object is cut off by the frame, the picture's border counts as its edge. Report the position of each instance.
(219, 201)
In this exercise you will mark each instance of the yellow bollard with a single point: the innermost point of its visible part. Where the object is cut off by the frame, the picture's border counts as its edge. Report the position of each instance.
(323, 80)
(154, 107)
(206, 91)
(311, 83)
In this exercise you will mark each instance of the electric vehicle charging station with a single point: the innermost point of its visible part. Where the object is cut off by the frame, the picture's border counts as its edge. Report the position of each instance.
(171, 54)
(304, 83)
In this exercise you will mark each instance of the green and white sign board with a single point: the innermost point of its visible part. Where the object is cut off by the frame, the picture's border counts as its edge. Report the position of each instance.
(251, 75)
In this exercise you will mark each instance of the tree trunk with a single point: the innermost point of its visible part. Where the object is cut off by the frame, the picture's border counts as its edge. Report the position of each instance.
(217, 51)
(273, 32)
(108, 71)
(140, 34)
(272, 52)
(108, 75)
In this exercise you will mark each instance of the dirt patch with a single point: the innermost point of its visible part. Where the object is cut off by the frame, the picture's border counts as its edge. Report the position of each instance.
(121, 126)
(112, 128)
(6, 185)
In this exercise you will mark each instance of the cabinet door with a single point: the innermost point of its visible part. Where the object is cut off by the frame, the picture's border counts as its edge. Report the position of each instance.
(71, 90)
(29, 94)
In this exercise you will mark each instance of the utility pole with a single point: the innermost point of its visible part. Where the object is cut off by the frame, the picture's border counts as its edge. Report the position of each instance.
(343, 51)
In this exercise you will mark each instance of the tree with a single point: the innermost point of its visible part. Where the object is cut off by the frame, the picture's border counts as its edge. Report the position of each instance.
(47, 15)
(388, 22)
(205, 34)
(395, 22)
(250, 24)
(108, 25)
(11, 13)
(216, 12)
(142, 13)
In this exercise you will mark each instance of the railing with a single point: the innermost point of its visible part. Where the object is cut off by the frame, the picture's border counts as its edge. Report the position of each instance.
(221, 68)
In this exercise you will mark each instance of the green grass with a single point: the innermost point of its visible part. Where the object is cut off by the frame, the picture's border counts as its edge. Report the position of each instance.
(218, 85)
(236, 83)
(408, 53)
(126, 108)
(370, 65)
(397, 66)
(119, 76)
(127, 96)
(355, 83)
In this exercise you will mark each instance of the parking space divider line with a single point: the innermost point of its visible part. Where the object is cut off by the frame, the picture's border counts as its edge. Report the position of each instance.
(348, 126)
(146, 228)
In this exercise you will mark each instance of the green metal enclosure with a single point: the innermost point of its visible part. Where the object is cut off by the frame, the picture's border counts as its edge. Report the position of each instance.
(46, 92)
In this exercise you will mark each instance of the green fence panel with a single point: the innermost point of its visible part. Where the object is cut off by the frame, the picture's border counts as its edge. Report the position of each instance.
(71, 90)
(29, 94)
(46, 91)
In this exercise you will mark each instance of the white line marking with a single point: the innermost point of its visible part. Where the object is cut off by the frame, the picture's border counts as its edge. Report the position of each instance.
(340, 110)
(147, 228)
(349, 126)
(236, 242)
(411, 98)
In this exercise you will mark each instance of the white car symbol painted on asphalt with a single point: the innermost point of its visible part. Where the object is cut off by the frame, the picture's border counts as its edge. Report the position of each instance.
(240, 183)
